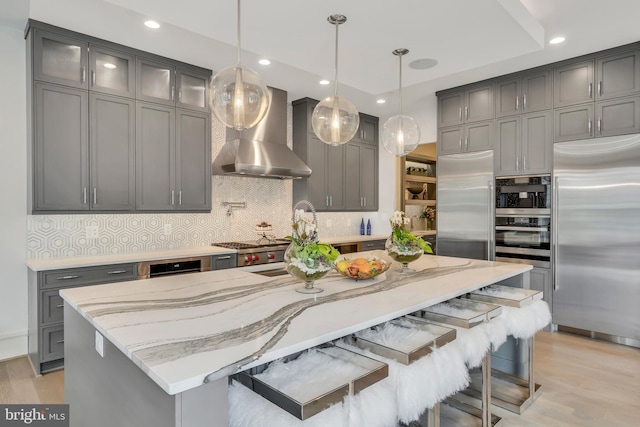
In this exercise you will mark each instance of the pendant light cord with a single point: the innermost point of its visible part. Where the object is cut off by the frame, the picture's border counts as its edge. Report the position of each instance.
(400, 91)
(335, 89)
(238, 28)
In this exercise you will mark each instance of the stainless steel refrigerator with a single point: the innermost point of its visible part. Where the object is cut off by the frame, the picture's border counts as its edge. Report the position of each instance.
(465, 205)
(596, 223)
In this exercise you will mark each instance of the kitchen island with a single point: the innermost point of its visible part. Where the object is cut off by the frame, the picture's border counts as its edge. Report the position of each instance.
(170, 343)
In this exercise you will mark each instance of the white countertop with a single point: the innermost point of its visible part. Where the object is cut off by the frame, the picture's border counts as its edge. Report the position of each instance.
(43, 264)
(181, 329)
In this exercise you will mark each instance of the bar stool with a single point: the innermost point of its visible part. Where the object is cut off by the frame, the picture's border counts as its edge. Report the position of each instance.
(319, 387)
(474, 338)
(423, 364)
(523, 314)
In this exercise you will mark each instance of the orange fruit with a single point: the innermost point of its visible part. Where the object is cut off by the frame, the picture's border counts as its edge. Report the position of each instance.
(364, 272)
(359, 261)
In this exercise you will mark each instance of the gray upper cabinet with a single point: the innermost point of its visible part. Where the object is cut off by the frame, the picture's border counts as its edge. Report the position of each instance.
(523, 93)
(155, 157)
(618, 75)
(111, 71)
(193, 166)
(192, 90)
(573, 123)
(59, 59)
(618, 116)
(524, 144)
(61, 175)
(343, 178)
(360, 182)
(470, 105)
(112, 150)
(573, 84)
(462, 139)
(155, 82)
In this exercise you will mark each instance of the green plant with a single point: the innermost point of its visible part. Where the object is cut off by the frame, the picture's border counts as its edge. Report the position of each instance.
(402, 237)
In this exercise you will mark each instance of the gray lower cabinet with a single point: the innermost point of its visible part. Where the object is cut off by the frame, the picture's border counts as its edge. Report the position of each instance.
(360, 181)
(524, 144)
(224, 261)
(46, 307)
(470, 137)
(112, 153)
(61, 149)
(373, 245)
(541, 280)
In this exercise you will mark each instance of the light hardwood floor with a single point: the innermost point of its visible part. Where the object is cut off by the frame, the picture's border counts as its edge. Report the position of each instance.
(585, 382)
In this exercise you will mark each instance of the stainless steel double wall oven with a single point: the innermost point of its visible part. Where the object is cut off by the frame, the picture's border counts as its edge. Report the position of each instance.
(523, 220)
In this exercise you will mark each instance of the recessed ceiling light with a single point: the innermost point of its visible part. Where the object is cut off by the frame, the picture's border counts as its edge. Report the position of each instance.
(152, 24)
(423, 64)
(264, 62)
(324, 82)
(556, 40)
(381, 101)
(109, 65)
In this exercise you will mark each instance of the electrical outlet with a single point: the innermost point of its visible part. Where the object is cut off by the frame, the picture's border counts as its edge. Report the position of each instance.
(167, 229)
(348, 222)
(91, 231)
(329, 223)
(99, 344)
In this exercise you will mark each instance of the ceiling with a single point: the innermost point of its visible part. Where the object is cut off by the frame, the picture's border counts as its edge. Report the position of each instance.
(470, 39)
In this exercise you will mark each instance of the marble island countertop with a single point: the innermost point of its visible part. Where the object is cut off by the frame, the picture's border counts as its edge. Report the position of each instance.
(182, 329)
(44, 264)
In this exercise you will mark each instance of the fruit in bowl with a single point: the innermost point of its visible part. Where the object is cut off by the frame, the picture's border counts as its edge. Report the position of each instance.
(361, 268)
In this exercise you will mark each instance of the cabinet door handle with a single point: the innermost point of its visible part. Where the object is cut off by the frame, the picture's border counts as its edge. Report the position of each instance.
(517, 163)
(460, 113)
(180, 95)
(524, 102)
(93, 77)
(590, 89)
(517, 102)
(330, 200)
(116, 272)
(60, 342)
(460, 143)
(466, 143)
(67, 277)
(554, 234)
(326, 202)
(173, 197)
(83, 76)
(172, 91)
(600, 126)
(180, 197)
(224, 257)
(95, 196)
(524, 163)
(60, 306)
(589, 126)
(600, 88)
(466, 112)
(365, 201)
(84, 195)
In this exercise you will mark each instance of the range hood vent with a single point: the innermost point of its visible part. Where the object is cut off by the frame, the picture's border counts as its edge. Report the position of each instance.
(262, 150)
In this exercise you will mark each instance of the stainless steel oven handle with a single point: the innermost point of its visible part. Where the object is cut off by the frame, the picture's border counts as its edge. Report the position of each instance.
(516, 228)
(554, 243)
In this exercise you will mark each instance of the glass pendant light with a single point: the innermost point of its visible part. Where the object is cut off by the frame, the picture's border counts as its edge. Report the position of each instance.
(400, 134)
(239, 97)
(335, 120)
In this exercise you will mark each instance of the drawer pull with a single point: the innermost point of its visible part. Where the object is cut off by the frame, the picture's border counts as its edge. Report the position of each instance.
(60, 306)
(60, 342)
(67, 277)
(369, 245)
(116, 272)
(224, 257)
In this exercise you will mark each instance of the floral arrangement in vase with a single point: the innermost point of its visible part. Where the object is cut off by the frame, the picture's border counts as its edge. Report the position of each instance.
(430, 215)
(402, 245)
(306, 258)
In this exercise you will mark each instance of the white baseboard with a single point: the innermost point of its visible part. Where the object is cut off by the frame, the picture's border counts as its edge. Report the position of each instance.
(13, 344)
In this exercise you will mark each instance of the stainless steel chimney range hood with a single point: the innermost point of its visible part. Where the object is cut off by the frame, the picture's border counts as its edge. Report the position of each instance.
(262, 151)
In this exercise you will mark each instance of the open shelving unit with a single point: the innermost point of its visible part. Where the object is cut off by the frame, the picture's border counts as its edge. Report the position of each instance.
(423, 157)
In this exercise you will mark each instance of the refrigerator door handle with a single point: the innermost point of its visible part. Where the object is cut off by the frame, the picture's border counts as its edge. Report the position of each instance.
(490, 216)
(554, 218)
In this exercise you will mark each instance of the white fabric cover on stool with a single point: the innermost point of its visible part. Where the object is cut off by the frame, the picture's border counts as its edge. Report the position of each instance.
(526, 321)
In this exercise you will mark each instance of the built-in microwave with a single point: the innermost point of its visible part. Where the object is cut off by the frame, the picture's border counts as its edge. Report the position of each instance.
(523, 195)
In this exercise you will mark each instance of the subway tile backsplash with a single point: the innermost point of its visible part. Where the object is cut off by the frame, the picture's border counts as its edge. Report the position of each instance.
(51, 236)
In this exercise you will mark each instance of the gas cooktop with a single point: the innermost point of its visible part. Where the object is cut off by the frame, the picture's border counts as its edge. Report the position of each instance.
(263, 243)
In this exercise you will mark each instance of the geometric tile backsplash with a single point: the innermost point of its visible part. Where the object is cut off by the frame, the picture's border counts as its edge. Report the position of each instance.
(52, 236)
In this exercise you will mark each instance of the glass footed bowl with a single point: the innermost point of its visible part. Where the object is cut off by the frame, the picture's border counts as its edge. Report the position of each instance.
(362, 268)
(299, 268)
(403, 254)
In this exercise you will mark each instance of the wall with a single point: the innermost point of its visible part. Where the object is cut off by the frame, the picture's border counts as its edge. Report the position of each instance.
(13, 175)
